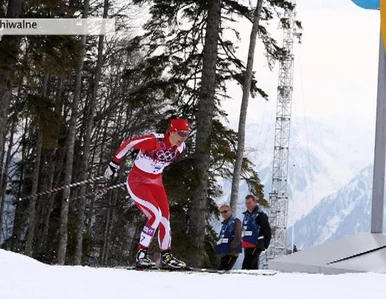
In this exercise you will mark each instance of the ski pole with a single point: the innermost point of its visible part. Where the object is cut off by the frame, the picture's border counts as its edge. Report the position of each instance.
(101, 190)
(59, 188)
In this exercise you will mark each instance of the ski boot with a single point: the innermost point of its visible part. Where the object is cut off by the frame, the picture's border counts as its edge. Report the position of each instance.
(168, 261)
(143, 261)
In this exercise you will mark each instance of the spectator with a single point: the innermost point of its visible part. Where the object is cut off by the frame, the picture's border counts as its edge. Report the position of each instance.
(229, 241)
(256, 233)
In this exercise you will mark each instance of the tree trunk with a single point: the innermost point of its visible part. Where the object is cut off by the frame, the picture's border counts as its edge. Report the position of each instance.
(32, 203)
(100, 158)
(70, 150)
(244, 108)
(4, 177)
(108, 240)
(199, 205)
(20, 208)
(44, 160)
(46, 180)
(55, 162)
(35, 182)
(103, 253)
(9, 47)
(86, 146)
(50, 202)
(110, 210)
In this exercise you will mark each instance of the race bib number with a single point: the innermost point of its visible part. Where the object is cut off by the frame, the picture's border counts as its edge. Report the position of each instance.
(246, 233)
(222, 241)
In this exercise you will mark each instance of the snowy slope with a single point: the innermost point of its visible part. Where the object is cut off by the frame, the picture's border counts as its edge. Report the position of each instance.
(343, 213)
(324, 156)
(23, 278)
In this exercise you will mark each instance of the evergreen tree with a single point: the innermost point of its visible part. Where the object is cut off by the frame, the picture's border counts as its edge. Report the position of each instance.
(175, 69)
(129, 85)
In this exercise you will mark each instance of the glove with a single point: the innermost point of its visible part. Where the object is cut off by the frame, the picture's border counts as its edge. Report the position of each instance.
(111, 169)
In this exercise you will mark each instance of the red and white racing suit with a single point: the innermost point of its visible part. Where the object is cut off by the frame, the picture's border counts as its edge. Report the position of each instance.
(145, 185)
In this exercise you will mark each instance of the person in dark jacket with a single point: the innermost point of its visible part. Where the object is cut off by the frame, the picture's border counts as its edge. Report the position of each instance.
(229, 240)
(256, 233)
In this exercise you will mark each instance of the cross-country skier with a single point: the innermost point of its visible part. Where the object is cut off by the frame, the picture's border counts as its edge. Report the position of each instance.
(145, 186)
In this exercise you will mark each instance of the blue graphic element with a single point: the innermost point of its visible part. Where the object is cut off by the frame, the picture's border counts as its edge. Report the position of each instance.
(368, 4)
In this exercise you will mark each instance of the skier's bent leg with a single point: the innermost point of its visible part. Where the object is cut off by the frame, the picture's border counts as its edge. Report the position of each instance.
(153, 215)
(146, 204)
(164, 232)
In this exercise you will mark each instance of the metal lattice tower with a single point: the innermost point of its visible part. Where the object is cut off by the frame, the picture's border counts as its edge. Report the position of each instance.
(278, 198)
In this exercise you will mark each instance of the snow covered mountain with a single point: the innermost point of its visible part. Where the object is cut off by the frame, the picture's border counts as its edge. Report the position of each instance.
(340, 214)
(324, 156)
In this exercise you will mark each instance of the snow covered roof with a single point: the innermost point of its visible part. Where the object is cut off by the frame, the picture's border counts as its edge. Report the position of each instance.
(363, 252)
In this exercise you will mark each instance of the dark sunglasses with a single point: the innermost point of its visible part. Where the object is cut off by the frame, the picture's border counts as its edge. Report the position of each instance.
(182, 134)
(223, 212)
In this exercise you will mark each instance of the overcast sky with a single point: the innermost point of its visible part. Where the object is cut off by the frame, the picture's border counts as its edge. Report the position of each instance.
(336, 64)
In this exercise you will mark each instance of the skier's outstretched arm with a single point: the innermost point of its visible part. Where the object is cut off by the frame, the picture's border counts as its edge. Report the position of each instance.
(145, 142)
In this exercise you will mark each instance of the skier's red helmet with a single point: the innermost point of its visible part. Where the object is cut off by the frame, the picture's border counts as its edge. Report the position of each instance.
(179, 124)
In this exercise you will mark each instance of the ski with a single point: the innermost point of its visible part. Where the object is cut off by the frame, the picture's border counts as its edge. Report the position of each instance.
(206, 271)
(159, 269)
(247, 272)
(254, 272)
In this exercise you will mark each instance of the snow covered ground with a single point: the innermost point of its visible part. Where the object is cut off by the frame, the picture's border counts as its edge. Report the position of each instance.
(25, 278)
